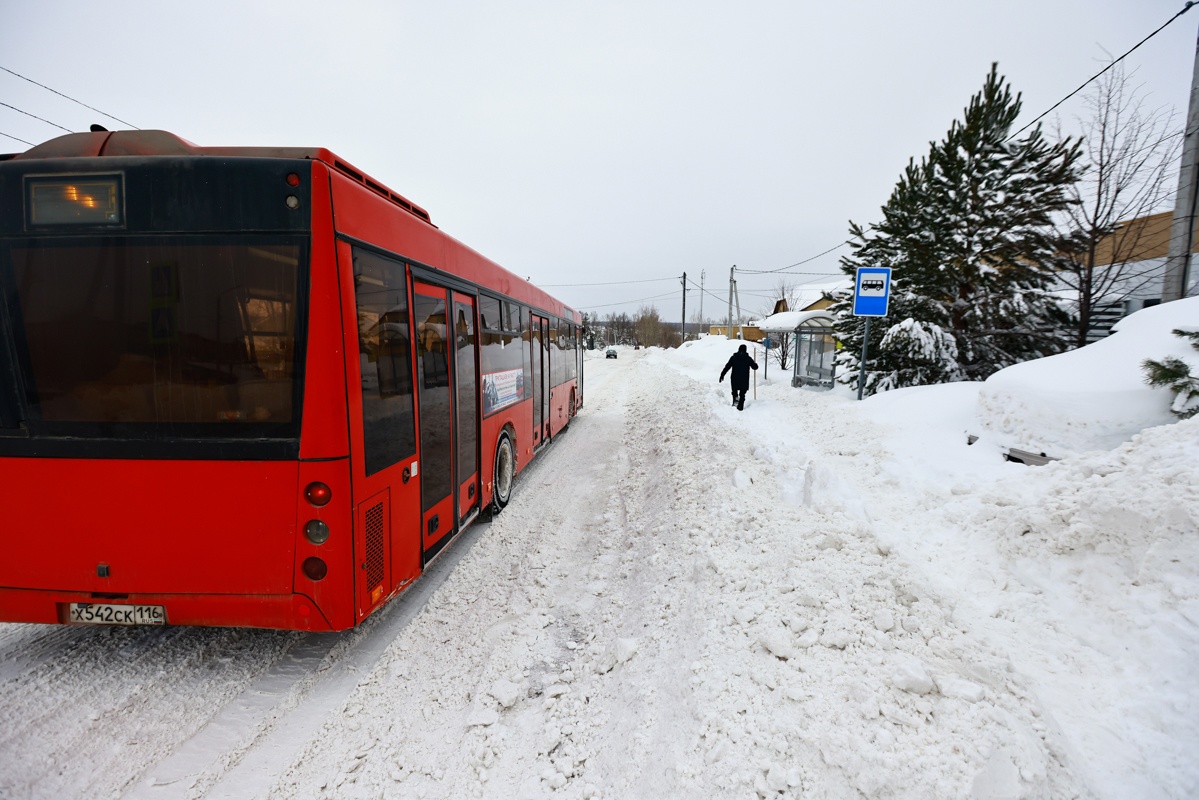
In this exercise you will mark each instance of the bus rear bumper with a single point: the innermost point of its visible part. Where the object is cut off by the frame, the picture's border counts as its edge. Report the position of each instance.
(284, 612)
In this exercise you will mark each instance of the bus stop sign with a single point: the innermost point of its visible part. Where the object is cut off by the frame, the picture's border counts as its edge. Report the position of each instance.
(872, 292)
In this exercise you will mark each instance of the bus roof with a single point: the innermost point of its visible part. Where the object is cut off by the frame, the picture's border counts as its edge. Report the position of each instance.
(99, 144)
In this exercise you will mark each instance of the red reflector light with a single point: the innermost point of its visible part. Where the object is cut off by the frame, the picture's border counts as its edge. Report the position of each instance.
(293, 179)
(318, 494)
(315, 569)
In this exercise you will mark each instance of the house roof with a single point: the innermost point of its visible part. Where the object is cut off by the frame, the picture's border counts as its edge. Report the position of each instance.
(787, 321)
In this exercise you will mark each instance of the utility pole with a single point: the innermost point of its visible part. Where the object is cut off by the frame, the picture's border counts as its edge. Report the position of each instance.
(701, 299)
(740, 327)
(684, 306)
(1182, 229)
(732, 283)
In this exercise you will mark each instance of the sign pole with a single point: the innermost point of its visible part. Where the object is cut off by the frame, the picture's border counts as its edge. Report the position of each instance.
(862, 366)
(871, 297)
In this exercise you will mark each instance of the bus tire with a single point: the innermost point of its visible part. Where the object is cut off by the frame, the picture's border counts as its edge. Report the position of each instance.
(505, 473)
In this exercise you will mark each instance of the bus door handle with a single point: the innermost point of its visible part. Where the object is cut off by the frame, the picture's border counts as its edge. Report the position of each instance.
(407, 475)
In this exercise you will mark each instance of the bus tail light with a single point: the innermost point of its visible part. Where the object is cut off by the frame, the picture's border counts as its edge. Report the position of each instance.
(315, 569)
(318, 494)
(316, 531)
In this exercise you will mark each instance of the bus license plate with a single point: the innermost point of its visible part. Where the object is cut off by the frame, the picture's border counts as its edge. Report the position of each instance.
(112, 614)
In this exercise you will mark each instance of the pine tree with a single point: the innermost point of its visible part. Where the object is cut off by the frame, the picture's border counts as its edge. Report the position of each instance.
(968, 233)
(1175, 374)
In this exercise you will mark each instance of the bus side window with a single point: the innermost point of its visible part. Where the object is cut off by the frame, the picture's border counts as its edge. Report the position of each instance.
(385, 355)
(489, 313)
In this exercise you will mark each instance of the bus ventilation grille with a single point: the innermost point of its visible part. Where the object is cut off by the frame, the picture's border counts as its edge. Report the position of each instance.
(411, 208)
(374, 546)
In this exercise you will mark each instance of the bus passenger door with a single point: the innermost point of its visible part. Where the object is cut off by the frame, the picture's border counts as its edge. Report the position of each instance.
(466, 404)
(435, 414)
(541, 379)
(387, 472)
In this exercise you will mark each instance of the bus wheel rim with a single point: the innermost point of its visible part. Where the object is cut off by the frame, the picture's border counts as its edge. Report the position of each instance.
(503, 469)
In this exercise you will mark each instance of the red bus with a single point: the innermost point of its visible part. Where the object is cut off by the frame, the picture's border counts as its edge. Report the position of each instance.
(249, 386)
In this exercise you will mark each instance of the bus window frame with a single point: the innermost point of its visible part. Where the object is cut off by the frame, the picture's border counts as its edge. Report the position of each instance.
(376, 461)
(141, 440)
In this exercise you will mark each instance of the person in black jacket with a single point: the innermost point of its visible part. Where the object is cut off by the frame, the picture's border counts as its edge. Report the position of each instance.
(741, 363)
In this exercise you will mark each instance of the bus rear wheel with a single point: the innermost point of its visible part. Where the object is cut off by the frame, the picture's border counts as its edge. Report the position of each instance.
(505, 473)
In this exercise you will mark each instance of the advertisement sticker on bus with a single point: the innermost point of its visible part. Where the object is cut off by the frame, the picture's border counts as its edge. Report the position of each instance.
(502, 389)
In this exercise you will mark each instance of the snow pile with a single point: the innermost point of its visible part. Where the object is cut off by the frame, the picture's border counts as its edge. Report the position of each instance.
(1087, 572)
(813, 597)
(1092, 398)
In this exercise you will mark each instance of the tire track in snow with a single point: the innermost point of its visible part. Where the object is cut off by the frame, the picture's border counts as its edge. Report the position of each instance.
(92, 707)
(498, 653)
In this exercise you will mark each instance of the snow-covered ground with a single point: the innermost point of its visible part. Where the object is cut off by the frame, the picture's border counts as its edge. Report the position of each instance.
(814, 597)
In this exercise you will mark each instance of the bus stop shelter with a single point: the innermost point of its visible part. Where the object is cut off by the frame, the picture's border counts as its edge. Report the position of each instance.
(811, 335)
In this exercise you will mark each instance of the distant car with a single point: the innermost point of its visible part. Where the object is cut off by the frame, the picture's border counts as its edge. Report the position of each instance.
(611, 353)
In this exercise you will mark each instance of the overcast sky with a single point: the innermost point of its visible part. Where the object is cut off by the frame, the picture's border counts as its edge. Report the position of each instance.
(578, 143)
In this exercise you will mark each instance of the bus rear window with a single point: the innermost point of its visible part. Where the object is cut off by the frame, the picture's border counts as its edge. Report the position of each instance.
(165, 332)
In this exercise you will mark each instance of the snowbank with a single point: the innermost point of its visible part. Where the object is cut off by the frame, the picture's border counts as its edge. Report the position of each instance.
(1093, 398)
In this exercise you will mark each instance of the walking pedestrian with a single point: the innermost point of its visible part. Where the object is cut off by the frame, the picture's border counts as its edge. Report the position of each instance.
(740, 363)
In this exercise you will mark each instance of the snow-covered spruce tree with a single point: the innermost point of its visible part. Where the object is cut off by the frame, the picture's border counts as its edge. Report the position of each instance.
(1175, 374)
(910, 346)
(969, 235)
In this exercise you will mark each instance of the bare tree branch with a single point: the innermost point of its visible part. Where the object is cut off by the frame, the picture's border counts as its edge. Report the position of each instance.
(1130, 152)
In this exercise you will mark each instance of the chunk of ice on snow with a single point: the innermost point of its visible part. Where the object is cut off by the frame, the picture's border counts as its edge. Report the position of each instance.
(481, 717)
(618, 652)
(911, 676)
(958, 687)
(777, 643)
(740, 479)
(505, 692)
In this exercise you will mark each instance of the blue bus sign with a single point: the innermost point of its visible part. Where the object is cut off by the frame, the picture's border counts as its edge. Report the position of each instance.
(872, 292)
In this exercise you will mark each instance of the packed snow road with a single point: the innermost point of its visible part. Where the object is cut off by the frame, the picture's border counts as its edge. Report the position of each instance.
(681, 601)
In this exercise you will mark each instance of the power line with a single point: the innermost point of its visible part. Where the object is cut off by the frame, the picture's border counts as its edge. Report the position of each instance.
(609, 283)
(708, 292)
(694, 284)
(72, 99)
(629, 302)
(10, 136)
(796, 264)
(35, 116)
(778, 272)
(1085, 83)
